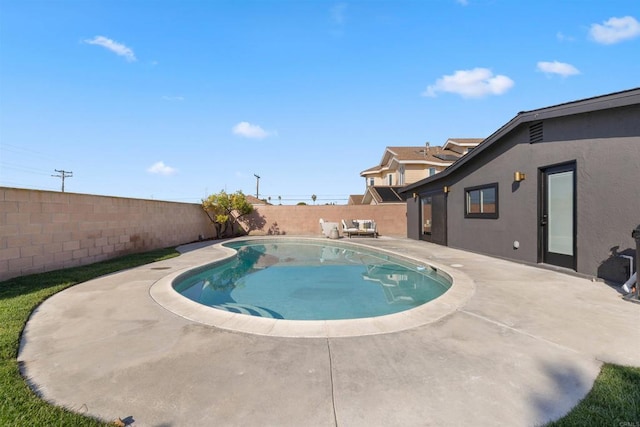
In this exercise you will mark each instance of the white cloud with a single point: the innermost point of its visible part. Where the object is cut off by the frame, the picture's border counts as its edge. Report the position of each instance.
(560, 68)
(339, 14)
(474, 83)
(248, 130)
(113, 46)
(564, 38)
(162, 169)
(615, 30)
(338, 19)
(463, 2)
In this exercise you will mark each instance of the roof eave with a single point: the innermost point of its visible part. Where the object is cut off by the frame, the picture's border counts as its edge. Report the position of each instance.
(602, 102)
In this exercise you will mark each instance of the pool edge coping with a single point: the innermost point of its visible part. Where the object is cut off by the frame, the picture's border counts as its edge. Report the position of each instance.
(163, 294)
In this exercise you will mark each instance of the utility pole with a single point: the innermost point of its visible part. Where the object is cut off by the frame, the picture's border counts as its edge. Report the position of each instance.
(63, 174)
(257, 186)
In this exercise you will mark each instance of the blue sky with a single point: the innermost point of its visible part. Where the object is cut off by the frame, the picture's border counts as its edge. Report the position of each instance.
(175, 100)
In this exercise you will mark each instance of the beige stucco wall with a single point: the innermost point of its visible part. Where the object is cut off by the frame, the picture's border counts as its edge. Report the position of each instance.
(45, 230)
(413, 173)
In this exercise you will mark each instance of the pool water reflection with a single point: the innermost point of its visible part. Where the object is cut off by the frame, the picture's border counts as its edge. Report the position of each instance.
(311, 281)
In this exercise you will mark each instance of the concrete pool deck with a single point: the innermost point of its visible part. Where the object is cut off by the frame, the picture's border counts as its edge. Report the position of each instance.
(521, 348)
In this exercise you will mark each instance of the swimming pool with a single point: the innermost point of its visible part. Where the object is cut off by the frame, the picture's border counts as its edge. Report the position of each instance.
(311, 280)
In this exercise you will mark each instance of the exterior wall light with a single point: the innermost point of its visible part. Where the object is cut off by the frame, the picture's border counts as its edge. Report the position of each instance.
(415, 196)
(446, 189)
(519, 176)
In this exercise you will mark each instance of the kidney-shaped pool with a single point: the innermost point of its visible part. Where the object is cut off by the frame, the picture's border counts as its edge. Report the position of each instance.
(307, 280)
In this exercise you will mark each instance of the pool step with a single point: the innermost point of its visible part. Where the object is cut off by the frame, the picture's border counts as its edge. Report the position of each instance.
(251, 310)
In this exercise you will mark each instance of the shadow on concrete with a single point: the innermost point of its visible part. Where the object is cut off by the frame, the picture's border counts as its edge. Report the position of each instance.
(569, 387)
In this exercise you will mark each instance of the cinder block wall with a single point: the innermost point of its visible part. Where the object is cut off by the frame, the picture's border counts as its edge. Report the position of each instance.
(43, 230)
(304, 220)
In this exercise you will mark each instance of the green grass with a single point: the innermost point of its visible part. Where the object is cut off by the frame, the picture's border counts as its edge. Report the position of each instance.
(613, 401)
(19, 406)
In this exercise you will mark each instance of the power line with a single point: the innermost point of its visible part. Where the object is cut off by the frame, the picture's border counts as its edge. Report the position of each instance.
(23, 185)
(63, 174)
(23, 151)
(23, 168)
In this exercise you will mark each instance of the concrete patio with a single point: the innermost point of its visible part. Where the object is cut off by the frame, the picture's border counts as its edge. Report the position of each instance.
(521, 346)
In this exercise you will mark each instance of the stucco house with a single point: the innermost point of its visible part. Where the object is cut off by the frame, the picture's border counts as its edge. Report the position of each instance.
(401, 166)
(557, 186)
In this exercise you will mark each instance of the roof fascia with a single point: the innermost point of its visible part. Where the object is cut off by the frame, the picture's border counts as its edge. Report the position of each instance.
(425, 162)
(384, 163)
(459, 144)
(388, 156)
(369, 196)
(374, 172)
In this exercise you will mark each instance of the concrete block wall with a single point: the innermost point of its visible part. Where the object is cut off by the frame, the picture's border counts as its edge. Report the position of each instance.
(43, 230)
(391, 219)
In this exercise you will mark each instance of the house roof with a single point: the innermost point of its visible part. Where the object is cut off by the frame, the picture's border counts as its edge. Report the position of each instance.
(255, 201)
(603, 102)
(355, 199)
(411, 155)
(384, 194)
(418, 154)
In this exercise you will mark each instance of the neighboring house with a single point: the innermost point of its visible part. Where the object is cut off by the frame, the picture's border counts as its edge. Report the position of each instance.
(355, 199)
(376, 195)
(558, 186)
(401, 166)
(255, 201)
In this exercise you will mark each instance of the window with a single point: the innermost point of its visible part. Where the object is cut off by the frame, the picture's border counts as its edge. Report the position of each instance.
(401, 172)
(390, 179)
(481, 201)
(432, 171)
(371, 182)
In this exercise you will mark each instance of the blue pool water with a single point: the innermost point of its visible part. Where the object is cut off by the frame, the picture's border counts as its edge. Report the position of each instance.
(298, 280)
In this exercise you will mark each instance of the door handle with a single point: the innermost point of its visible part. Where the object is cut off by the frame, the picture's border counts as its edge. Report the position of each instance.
(544, 219)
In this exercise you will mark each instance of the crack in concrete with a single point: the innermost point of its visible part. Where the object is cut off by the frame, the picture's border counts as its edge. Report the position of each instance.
(333, 390)
(520, 331)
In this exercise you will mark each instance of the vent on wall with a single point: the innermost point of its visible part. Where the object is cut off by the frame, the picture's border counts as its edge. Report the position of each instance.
(535, 132)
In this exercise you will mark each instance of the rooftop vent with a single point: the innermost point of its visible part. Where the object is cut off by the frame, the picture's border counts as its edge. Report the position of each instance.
(535, 133)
